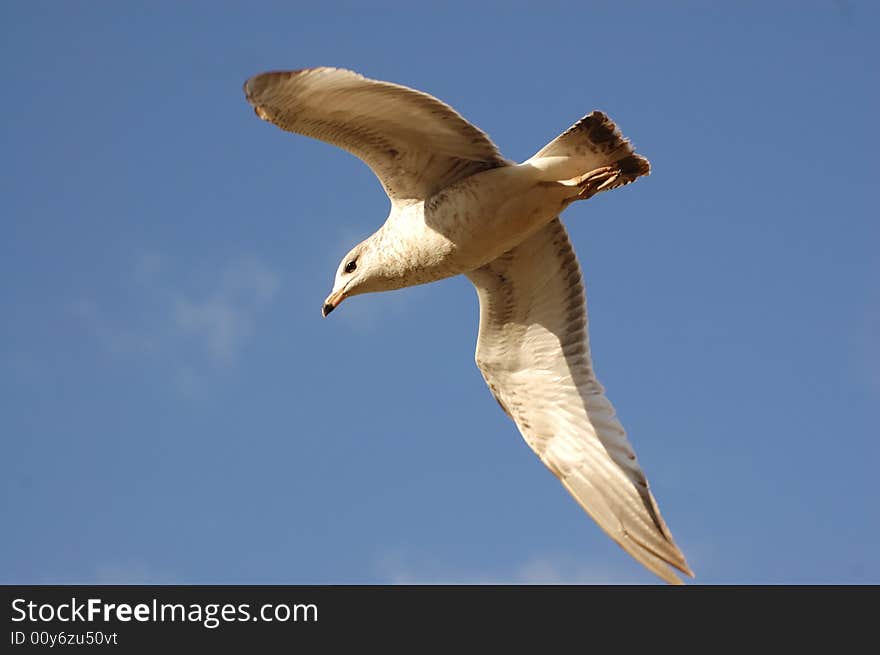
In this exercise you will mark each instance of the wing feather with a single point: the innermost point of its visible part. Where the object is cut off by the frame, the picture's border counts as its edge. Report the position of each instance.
(414, 143)
(533, 350)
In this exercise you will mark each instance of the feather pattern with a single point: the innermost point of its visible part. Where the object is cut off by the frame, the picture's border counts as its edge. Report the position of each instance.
(533, 350)
(414, 143)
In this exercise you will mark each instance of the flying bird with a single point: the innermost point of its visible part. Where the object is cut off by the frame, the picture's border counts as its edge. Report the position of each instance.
(458, 207)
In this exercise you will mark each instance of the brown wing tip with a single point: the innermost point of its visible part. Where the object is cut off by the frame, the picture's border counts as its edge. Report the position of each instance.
(606, 137)
(633, 166)
(601, 130)
(256, 85)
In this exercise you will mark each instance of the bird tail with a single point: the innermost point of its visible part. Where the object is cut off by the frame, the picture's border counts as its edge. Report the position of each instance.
(591, 154)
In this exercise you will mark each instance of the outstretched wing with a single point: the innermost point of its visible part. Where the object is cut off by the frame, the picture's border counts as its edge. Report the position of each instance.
(533, 351)
(415, 144)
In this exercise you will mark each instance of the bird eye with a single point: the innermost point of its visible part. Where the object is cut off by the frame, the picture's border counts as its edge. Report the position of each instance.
(350, 266)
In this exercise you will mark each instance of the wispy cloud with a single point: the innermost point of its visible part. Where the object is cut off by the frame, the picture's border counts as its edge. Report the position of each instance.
(116, 338)
(111, 572)
(395, 568)
(867, 344)
(222, 319)
(130, 573)
(200, 328)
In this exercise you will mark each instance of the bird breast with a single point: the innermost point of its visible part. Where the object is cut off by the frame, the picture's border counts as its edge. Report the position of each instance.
(489, 213)
(466, 225)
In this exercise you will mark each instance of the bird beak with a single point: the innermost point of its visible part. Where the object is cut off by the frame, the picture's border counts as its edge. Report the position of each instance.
(332, 302)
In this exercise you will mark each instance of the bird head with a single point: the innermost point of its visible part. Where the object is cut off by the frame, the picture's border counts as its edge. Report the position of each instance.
(359, 272)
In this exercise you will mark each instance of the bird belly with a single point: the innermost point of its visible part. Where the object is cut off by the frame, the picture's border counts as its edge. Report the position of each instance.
(487, 214)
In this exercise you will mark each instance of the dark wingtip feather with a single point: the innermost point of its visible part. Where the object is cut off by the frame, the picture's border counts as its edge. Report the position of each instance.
(633, 166)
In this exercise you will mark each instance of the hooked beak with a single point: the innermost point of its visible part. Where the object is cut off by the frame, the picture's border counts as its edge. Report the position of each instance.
(332, 302)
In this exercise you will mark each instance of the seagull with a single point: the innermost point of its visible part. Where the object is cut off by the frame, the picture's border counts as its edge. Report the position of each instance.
(458, 207)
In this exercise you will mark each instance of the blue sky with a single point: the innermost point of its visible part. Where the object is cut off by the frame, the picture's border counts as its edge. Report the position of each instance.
(175, 409)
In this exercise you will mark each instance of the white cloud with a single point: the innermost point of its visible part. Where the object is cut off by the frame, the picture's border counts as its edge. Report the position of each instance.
(113, 572)
(866, 345)
(147, 267)
(223, 318)
(210, 324)
(130, 573)
(113, 336)
(544, 569)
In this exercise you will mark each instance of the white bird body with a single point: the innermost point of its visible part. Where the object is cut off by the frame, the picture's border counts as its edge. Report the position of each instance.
(459, 207)
(470, 223)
